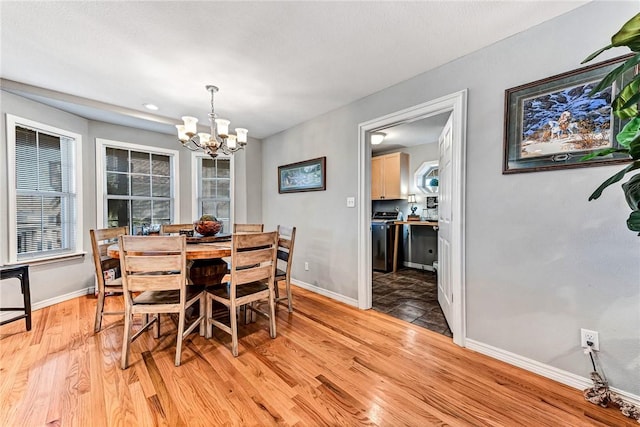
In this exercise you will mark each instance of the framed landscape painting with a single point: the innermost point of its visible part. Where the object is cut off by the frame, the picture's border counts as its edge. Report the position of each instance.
(309, 175)
(552, 123)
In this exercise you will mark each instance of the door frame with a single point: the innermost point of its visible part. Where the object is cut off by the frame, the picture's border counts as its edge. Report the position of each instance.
(456, 103)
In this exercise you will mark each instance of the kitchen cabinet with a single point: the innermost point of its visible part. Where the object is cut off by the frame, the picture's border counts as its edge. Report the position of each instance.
(390, 176)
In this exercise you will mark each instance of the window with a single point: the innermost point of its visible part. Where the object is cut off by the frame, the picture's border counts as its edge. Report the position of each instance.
(138, 185)
(426, 177)
(215, 189)
(44, 216)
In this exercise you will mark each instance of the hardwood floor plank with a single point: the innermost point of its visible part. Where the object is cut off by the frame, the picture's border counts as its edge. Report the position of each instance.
(331, 364)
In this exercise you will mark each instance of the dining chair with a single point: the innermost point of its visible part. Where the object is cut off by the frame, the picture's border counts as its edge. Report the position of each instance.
(154, 281)
(282, 266)
(108, 280)
(248, 228)
(174, 228)
(252, 258)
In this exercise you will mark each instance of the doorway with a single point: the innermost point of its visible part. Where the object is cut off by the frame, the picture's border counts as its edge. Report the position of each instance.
(456, 104)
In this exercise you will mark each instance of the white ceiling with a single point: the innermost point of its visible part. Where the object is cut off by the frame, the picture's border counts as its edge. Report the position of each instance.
(277, 63)
(410, 134)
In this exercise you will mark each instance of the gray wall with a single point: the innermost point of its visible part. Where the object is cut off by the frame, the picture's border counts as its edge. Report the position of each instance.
(59, 278)
(541, 261)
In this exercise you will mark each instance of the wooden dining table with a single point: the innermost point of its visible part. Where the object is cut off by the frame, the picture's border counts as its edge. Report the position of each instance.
(205, 265)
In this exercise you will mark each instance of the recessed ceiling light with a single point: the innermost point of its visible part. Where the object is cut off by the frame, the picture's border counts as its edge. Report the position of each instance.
(152, 107)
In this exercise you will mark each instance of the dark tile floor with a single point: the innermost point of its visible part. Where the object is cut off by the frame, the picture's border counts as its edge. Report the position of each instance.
(410, 295)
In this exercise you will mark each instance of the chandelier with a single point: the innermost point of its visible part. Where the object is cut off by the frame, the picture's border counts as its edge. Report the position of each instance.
(219, 138)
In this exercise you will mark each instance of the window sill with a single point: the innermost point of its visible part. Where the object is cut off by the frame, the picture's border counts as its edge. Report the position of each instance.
(48, 260)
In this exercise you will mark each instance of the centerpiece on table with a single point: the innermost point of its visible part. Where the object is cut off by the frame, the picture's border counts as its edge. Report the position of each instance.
(207, 225)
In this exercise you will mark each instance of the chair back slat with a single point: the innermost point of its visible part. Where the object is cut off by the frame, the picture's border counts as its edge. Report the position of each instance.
(248, 228)
(154, 282)
(156, 245)
(254, 274)
(149, 264)
(286, 240)
(284, 256)
(256, 256)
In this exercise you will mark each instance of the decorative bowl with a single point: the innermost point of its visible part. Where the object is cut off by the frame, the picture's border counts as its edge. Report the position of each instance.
(207, 228)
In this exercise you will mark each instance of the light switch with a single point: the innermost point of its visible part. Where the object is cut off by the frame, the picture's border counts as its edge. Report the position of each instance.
(351, 202)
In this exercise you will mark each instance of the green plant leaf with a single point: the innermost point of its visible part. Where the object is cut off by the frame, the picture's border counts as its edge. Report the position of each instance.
(629, 34)
(631, 101)
(602, 153)
(633, 223)
(625, 95)
(615, 73)
(631, 190)
(634, 147)
(613, 179)
(628, 133)
(596, 53)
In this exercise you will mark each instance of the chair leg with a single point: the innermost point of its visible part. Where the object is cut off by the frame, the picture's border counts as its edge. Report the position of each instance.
(234, 328)
(126, 339)
(99, 310)
(180, 336)
(289, 296)
(272, 314)
(203, 313)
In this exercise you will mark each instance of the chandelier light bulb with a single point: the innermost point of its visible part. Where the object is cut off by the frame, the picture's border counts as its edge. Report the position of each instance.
(190, 125)
(205, 139)
(231, 142)
(223, 127)
(242, 135)
(182, 134)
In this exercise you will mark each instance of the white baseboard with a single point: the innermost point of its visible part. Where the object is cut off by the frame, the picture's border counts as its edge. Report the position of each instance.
(330, 294)
(559, 375)
(418, 266)
(51, 301)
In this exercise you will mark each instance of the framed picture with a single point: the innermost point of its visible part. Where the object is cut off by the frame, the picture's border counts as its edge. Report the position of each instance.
(552, 123)
(309, 175)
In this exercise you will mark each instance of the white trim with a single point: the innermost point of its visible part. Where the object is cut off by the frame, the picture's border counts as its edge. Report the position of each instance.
(11, 123)
(195, 180)
(48, 302)
(324, 292)
(101, 175)
(547, 371)
(457, 104)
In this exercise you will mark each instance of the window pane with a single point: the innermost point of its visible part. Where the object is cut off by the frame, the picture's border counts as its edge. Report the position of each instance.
(117, 213)
(141, 212)
(224, 168)
(140, 185)
(161, 212)
(29, 223)
(208, 189)
(49, 163)
(52, 223)
(140, 162)
(117, 160)
(208, 168)
(161, 186)
(117, 184)
(224, 190)
(26, 155)
(161, 165)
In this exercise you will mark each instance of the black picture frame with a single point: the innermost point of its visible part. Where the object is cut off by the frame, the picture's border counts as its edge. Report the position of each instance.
(308, 175)
(551, 123)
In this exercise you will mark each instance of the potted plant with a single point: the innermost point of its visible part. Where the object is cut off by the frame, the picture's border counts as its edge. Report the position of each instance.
(624, 106)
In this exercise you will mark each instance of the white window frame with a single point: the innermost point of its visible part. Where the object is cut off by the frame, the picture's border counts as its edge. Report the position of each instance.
(196, 173)
(101, 174)
(76, 188)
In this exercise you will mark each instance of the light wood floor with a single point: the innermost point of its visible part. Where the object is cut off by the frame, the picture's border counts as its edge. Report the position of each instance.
(330, 365)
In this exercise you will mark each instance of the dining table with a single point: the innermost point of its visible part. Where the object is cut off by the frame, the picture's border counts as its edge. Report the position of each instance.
(205, 263)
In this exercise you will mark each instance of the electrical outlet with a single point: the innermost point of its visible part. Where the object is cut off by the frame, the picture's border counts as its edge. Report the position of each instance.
(591, 336)
(306, 266)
